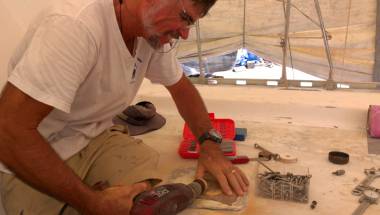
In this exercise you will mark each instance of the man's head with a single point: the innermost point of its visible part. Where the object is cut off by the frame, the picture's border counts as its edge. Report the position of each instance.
(164, 20)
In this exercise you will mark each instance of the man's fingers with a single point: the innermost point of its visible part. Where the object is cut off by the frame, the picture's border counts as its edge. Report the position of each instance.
(220, 177)
(241, 182)
(228, 176)
(233, 181)
(244, 177)
(223, 182)
(139, 188)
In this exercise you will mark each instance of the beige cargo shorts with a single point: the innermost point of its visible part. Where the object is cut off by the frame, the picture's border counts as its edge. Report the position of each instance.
(113, 156)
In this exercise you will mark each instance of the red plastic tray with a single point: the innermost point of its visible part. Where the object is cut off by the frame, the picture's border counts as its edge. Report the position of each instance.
(185, 152)
(225, 126)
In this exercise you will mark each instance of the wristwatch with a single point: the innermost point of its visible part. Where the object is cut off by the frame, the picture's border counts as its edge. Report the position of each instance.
(212, 135)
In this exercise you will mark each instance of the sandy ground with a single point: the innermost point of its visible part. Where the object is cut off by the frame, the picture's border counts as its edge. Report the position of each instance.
(304, 123)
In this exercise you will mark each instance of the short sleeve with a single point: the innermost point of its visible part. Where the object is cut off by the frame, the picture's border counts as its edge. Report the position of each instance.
(57, 60)
(164, 68)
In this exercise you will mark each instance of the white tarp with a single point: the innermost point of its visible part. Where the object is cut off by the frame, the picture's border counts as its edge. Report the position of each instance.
(353, 58)
(15, 17)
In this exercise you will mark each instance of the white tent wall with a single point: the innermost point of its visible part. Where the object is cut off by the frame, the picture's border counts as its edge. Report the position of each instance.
(353, 61)
(222, 32)
(15, 17)
(351, 23)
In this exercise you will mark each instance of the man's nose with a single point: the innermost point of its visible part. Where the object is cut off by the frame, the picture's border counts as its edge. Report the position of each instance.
(184, 33)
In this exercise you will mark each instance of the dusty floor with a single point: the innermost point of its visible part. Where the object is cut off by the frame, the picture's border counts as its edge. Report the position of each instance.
(305, 123)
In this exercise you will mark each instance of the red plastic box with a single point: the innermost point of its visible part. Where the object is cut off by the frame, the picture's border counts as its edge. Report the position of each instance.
(189, 147)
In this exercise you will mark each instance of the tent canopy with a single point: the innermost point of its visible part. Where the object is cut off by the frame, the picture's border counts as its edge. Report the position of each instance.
(259, 26)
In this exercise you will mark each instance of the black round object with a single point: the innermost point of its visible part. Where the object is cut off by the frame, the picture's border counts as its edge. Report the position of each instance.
(337, 157)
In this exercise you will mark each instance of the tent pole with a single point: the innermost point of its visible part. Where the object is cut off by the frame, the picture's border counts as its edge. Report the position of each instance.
(283, 80)
(330, 82)
(376, 69)
(200, 61)
(244, 23)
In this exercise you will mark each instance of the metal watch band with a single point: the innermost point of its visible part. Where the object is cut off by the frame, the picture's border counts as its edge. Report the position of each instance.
(213, 135)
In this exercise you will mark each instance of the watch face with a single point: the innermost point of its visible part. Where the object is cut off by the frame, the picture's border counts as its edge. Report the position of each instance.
(371, 194)
(215, 135)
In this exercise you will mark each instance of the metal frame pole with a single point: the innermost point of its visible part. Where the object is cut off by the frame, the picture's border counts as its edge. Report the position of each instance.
(376, 68)
(330, 82)
(284, 81)
(199, 45)
(244, 23)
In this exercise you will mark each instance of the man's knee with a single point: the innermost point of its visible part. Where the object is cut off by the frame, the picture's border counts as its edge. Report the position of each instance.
(138, 147)
(146, 155)
(123, 159)
(150, 151)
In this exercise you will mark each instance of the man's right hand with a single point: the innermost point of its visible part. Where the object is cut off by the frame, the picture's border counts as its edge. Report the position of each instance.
(116, 200)
(230, 177)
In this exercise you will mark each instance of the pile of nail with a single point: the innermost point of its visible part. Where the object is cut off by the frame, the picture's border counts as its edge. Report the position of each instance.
(287, 187)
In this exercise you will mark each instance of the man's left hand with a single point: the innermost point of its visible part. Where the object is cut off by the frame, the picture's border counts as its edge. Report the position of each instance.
(228, 176)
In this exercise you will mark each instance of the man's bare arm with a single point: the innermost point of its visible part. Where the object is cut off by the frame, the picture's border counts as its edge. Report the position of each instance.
(25, 152)
(190, 105)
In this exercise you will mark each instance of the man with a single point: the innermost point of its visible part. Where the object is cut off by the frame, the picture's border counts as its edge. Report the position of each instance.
(80, 64)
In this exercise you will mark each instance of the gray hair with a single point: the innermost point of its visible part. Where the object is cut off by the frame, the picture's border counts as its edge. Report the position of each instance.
(205, 5)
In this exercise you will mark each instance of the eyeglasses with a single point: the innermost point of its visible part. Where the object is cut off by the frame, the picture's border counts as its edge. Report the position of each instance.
(175, 35)
(190, 22)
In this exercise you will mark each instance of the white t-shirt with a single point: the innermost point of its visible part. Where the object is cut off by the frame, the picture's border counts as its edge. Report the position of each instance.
(74, 59)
